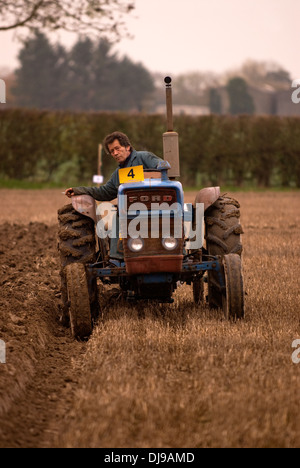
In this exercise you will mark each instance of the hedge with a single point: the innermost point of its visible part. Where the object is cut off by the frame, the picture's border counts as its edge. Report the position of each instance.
(232, 150)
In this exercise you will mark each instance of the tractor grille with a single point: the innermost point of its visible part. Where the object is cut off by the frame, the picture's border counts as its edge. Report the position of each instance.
(165, 198)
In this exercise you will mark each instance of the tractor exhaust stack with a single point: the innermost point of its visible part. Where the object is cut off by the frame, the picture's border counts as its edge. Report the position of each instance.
(170, 138)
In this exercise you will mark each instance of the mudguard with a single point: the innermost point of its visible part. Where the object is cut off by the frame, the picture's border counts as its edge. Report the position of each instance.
(208, 196)
(85, 205)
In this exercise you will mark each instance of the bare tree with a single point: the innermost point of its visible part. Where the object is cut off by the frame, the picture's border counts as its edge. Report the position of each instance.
(192, 87)
(80, 16)
(262, 74)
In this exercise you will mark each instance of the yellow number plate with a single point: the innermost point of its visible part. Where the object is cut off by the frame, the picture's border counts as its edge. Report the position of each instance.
(131, 174)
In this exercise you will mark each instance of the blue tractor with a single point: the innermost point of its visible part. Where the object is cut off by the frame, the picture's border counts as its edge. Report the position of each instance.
(150, 242)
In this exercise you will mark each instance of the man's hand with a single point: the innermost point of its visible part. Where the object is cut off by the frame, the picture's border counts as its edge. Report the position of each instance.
(69, 192)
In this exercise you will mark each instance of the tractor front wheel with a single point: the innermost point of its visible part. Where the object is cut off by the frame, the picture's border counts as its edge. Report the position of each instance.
(78, 301)
(233, 296)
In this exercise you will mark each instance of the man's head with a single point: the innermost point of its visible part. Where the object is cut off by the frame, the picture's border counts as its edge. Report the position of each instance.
(117, 144)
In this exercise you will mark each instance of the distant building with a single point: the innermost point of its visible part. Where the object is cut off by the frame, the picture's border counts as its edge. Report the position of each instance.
(184, 109)
(267, 101)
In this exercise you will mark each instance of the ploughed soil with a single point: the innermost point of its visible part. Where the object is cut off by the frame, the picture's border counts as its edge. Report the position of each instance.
(39, 375)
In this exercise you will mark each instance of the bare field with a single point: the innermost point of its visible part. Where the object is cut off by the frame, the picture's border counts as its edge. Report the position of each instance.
(180, 376)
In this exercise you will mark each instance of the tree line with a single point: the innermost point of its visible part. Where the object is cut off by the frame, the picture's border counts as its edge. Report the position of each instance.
(62, 147)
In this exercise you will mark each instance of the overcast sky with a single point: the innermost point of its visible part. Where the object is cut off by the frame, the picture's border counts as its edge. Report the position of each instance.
(175, 36)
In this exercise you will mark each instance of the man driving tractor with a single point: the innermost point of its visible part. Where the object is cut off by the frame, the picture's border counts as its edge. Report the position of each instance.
(117, 144)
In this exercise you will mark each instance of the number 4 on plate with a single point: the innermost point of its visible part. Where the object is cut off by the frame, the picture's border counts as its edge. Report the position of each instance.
(131, 174)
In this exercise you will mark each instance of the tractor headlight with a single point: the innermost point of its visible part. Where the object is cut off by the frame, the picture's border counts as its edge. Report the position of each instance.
(136, 245)
(170, 243)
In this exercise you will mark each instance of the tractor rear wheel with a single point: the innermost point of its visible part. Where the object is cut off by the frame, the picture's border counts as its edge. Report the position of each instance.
(79, 301)
(233, 299)
(223, 237)
(76, 244)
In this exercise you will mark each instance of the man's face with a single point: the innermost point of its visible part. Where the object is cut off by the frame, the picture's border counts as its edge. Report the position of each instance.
(118, 152)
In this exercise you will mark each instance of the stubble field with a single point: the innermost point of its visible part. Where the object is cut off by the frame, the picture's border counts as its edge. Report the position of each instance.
(177, 377)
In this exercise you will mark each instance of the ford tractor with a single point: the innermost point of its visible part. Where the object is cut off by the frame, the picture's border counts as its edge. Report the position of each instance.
(150, 242)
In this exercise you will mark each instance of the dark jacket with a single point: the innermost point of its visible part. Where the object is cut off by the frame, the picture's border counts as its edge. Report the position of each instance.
(109, 191)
